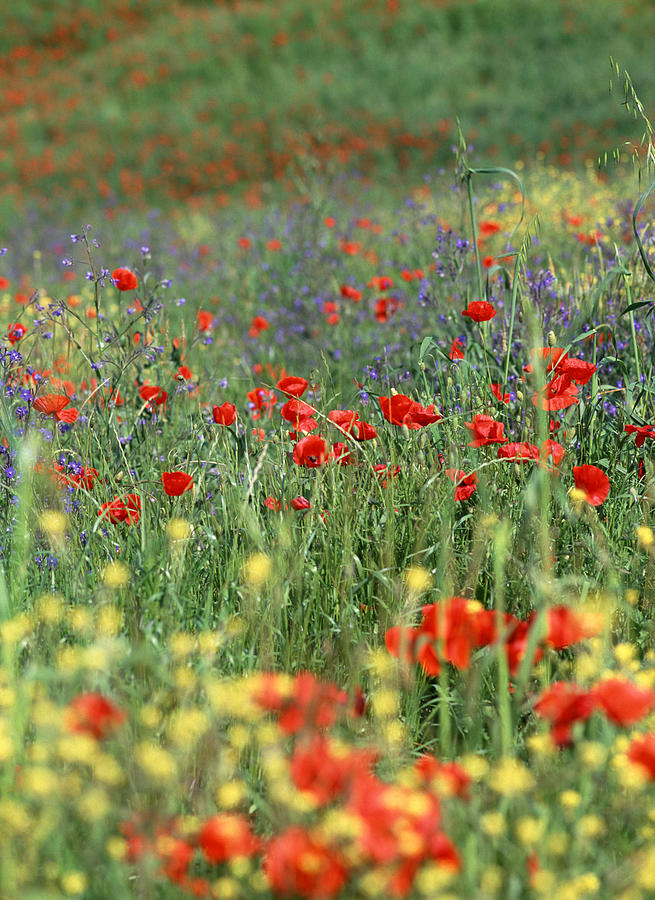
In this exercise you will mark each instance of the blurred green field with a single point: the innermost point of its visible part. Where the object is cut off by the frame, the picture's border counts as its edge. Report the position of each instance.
(133, 104)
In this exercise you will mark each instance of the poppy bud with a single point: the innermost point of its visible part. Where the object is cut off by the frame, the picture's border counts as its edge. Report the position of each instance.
(552, 340)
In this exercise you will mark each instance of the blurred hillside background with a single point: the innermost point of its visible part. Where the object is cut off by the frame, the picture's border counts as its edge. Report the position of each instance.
(139, 103)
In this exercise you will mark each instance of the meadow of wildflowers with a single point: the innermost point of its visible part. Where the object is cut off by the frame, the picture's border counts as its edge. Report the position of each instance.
(327, 561)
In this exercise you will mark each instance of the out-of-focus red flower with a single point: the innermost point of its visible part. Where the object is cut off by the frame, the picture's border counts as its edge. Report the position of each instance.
(176, 483)
(300, 504)
(566, 626)
(593, 482)
(380, 282)
(479, 311)
(205, 320)
(94, 715)
(312, 451)
(184, 373)
(522, 452)
(225, 414)
(293, 385)
(226, 836)
(563, 704)
(273, 503)
(297, 864)
(485, 430)
(385, 308)
(351, 293)
(449, 775)
(622, 701)
(258, 324)
(554, 450)
(559, 393)
(465, 485)
(642, 752)
(16, 332)
(124, 279)
(325, 771)
(386, 473)
(487, 228)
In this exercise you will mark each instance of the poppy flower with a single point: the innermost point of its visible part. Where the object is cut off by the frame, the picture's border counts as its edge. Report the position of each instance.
(119, 510)
(258, 324)
(295, 411)
(566, 626)
(522, 452)
(93, 715)
(559, 393)
(124, 279)
(50, 404)
(622, 701)
(312, 451)
(465, 485)
(151, 393)
(642, 752)
(577, 370)
(288, 874)
(300, 504)
(485, 430)
(380, 282)
(350, 293)
(385, 472)
(385, 307)
(205, 320)
(293, 385)
(341, 454)
(554, 450)
(176, 483)
(273, 503)
(479, 311)
(487, 228)
(402, 410)
(68, 415)
(456, 350)
(497, 391)
(184, 373)
(593, 482)
(16, 332)
(344, 419)
(643, 432)
(226, 836)
(551, 357)
(563, 704)
(225, 414)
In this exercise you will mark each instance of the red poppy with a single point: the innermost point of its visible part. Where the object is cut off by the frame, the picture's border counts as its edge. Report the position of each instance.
(93, 715)
(184, 373)
(551, 356)
(431, 770)
(577, 370)
(456, 350)
(258, 324)
(486, 229)
(386, 473)
(593, 482)
(465, 485)
(341, 453)
(272, 503)
(287, 870)
(402, 410)
(225, 414)
(176, 483)
(559, 393)
(380, 282)
(642, 752)
(643, 432)
(497, 391)
(522, 452)
(205, 320)
(151, 393)
(479, 311)
(566, 626)
(293, 385)
(296, 411)
(344, 419)
(622, 701)
(563, 704)
(16, 332)
(485, 430)
(50, 404)
(226, 836)
(385, 307)
(300, 504)
(554, 450)
(311, 452)
(325, 771)
(351, 293)
(68, 415)
(119, 510)
(124, 279)
(452, 629)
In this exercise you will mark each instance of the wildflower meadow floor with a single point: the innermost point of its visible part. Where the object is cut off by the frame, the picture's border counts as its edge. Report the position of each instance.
(327, 567)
